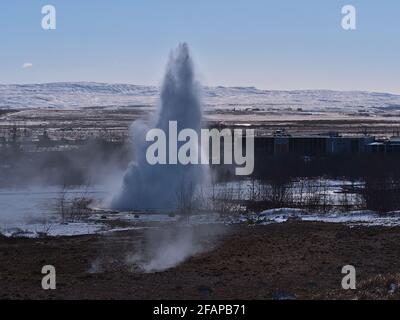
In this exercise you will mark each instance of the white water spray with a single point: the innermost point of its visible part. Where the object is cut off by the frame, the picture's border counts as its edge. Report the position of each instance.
(162, 187)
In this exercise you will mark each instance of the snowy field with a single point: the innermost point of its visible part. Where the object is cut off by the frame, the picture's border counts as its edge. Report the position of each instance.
(88, 94)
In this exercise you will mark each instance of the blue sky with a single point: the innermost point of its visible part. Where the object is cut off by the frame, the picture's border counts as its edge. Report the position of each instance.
(276, 44)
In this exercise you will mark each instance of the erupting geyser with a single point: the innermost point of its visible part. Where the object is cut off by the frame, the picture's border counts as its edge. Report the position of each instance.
(159, 186)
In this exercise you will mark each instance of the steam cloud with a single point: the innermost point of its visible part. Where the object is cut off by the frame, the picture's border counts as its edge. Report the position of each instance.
(162, 187)
(166, 248)
(159, 186)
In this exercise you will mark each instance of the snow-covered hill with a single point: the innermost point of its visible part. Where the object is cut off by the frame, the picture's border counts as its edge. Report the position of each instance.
(89, 94)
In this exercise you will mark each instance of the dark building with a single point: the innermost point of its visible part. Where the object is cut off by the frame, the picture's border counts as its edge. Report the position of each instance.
(313, 145)
(393, 145)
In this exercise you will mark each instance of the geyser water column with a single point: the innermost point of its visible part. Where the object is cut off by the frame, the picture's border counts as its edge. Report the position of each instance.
(163, 187)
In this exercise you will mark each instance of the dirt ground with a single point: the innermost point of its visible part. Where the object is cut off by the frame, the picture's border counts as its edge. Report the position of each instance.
(300, 260)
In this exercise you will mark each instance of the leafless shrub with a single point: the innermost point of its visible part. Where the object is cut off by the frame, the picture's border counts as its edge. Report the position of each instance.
(72, 209)
(382, 194)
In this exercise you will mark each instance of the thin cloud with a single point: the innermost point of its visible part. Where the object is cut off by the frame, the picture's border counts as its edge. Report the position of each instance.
(27, 65)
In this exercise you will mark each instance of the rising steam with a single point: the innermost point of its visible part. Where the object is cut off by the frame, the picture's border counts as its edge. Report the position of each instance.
(160, 186)
(168, 247)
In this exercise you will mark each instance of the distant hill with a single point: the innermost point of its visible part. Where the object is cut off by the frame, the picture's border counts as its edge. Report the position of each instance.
(74, 95)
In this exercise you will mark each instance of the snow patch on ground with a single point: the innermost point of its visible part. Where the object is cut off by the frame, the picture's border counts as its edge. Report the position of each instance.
(35, 230)
(363, 217)
(157, 217)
